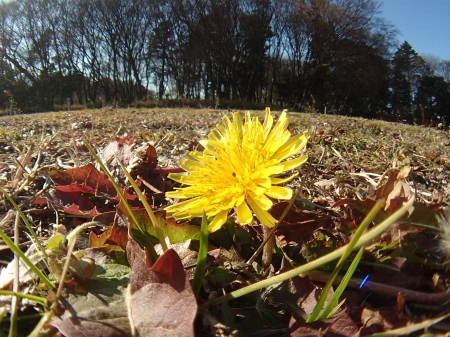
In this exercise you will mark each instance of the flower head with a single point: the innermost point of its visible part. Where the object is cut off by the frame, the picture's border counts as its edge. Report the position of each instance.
(235, 171)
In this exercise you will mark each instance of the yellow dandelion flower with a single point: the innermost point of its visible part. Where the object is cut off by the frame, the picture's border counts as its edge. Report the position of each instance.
(235, 171)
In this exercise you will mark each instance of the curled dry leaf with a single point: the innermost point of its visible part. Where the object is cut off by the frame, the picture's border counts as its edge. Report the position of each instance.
(395, 185)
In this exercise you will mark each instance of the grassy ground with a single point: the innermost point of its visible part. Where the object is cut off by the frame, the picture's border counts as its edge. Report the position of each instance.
(350, 162)
(339, 146)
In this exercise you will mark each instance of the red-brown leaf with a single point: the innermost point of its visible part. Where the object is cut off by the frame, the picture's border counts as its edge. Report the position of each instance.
(150, 157)
(161, 301)
(71, 203)
(92, 180)
(340, 325)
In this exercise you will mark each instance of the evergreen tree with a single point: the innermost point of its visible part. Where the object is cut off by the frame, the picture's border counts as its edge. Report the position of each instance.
(433, 99)
(404, 74)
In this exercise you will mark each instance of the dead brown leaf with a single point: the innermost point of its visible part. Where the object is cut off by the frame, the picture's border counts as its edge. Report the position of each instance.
(298, 225)
(340, 325)
(395, 186)
(160, 299)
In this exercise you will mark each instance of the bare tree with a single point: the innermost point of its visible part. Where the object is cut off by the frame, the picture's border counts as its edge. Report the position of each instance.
(29, 42)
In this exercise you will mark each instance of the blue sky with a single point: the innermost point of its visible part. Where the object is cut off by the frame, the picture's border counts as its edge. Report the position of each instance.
(425, 24)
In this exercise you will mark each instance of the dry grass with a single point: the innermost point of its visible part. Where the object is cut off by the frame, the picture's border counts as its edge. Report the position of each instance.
(339, 147)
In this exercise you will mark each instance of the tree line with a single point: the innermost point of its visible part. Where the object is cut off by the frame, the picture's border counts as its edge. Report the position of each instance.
(336, 56)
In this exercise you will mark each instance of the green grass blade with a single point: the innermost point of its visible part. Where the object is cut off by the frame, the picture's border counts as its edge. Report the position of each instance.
(364, 239)
(346, 253)
(16, 250)
(148, 245)
(33, 234)
(201, 258)
(147, 207)
(336, 308)
(15, 300)
(37, 299)
(328, 309)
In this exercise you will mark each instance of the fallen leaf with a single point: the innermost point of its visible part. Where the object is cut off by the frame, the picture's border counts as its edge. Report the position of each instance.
(101, 310)
(119, 233)
(99, 240)
(160, 299)
(298, 225)
(88, 178)
(82, 327)
(383, 319)
(176, 232)
(150, 157)
(8, 273)
(395, 186)
(340, 325)
(71, 203)
(119, 148)
(422, 213)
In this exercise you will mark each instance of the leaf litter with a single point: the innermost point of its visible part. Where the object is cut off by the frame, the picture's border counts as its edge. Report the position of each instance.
(114, 289)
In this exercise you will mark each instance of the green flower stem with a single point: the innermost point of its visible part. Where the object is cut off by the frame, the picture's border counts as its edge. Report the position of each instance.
(201, 258)
(365, 238)
(147, 207)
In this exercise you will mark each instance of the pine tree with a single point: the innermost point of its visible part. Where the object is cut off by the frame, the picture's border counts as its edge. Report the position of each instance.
(404, 76)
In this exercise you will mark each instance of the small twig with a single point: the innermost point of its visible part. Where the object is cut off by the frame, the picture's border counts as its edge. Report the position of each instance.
(21, 169)
(268, 247)
(150, 186)
(384, 289)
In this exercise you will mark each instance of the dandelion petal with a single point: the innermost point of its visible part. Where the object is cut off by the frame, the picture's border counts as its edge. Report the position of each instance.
(265, 217)
(278, 192)
(244, 214)
(218, 221)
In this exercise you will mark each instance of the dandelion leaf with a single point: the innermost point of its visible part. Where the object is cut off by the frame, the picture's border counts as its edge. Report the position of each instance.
(176, 232)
